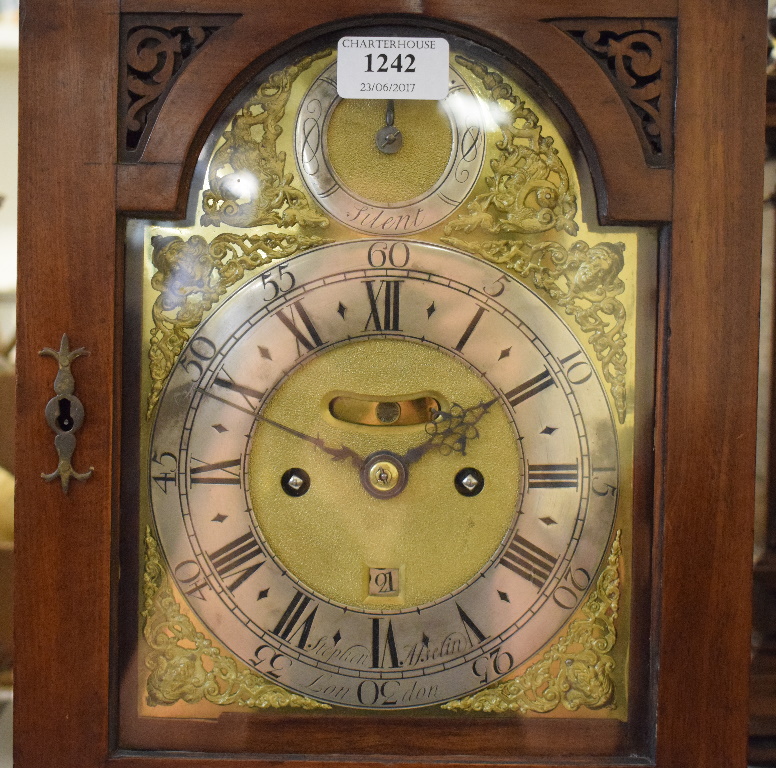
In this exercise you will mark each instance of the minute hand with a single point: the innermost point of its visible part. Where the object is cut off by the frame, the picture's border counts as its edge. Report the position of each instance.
(450, 431)
(337, 454)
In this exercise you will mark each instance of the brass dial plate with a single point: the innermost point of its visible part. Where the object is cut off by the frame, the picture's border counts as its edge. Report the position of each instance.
(546, 446)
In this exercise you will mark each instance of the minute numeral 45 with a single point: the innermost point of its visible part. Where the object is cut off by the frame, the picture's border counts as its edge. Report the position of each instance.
(529, 561)
(385, 317)
(234, 560)
(553, 475)
(168, 472)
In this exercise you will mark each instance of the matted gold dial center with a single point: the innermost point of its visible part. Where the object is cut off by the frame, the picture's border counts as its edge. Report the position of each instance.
(400, 508)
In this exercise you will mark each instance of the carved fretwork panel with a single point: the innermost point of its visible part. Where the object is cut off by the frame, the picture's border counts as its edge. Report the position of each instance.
(154, 50)
(638, 57)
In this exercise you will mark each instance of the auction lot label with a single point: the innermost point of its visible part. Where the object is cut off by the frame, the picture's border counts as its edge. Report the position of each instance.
(393, 68)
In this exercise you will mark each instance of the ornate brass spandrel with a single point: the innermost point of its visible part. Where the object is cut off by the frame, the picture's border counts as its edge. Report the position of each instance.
(523, 222)
(529, 189)
(184, 665)
(576, 671)
(192, 275)
(582, 279)
(248, 165)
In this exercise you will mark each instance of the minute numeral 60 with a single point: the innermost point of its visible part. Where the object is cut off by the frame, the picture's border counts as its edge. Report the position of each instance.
(397, 254)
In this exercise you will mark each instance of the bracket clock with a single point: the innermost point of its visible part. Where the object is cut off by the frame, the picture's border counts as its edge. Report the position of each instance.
(387, 382)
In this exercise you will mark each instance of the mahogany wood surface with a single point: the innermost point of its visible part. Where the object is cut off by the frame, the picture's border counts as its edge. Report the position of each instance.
(707, 434)
(67, 284)
(70, 274)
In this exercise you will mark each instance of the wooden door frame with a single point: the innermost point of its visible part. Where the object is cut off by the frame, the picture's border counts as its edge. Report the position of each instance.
(71, 186)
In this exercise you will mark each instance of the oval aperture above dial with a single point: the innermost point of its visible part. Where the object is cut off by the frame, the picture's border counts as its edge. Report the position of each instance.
(417, 589)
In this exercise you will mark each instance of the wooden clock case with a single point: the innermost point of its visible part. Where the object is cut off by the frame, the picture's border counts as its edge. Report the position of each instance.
(85, 167)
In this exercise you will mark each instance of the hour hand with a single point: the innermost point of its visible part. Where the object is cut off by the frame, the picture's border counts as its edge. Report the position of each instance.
(450, 431)
(389, 138)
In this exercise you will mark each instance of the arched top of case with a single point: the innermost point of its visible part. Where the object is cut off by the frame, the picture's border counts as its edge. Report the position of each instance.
(564, 79)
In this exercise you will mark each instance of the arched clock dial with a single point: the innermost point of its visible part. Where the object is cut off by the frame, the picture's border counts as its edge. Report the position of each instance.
(389, 167)
(398, 473)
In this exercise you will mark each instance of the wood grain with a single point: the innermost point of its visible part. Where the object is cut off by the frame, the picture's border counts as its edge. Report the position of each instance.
(708, 428)
(66, 285)
(529, 9)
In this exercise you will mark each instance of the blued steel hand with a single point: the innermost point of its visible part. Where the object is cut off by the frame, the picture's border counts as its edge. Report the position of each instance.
(337, 454)
(389, 138)
(449, 432)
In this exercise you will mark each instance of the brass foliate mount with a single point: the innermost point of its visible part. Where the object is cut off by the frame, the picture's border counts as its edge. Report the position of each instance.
(577, 671)
(584, 281)
(249, 167)
(184, 665)
(529, 189)
(192, 275)
(65, 414)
